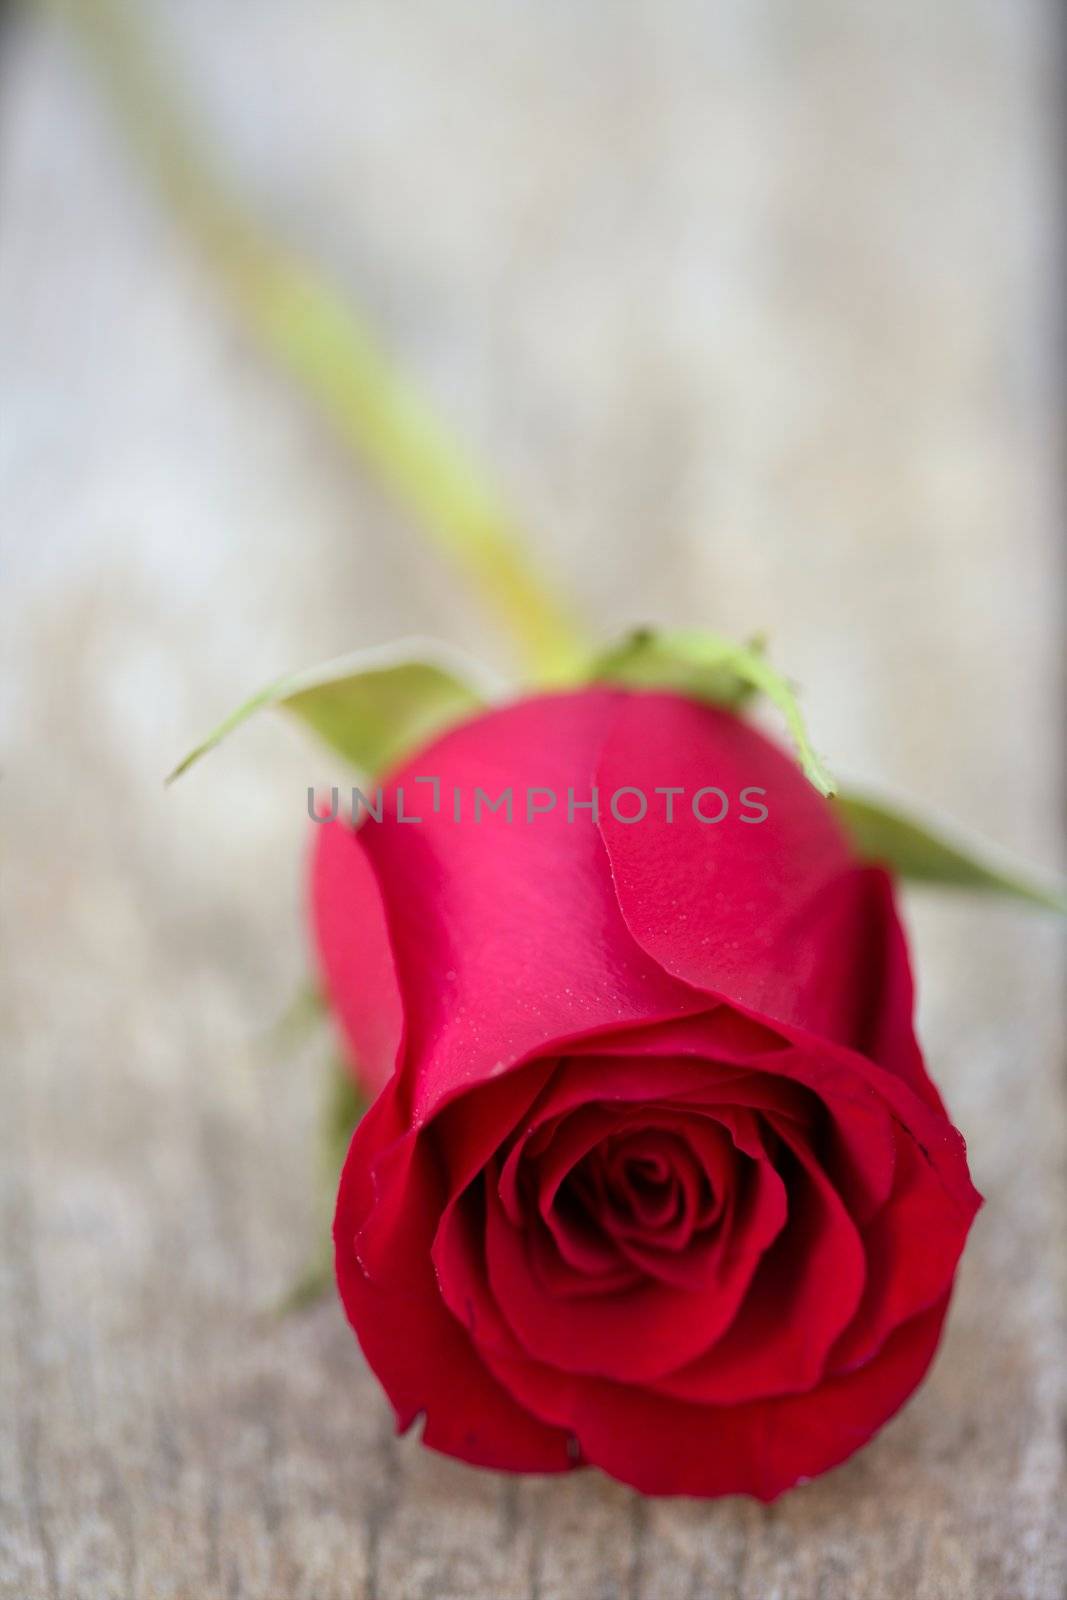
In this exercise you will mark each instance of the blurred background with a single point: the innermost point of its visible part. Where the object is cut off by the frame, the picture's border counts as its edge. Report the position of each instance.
(754, 311)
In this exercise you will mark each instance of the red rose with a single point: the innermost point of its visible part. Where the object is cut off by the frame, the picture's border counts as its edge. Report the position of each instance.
(660, 1182)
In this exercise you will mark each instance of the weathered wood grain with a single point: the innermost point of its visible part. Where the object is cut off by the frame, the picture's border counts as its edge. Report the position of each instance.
(753, 306)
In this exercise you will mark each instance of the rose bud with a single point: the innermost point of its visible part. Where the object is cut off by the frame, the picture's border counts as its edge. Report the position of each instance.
(656, 1179)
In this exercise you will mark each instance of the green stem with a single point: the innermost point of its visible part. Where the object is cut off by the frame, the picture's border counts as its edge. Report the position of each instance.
(314, 334)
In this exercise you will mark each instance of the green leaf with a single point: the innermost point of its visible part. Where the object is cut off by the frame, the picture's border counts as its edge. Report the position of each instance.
(913, 851)
(372, 708)
(708, 667)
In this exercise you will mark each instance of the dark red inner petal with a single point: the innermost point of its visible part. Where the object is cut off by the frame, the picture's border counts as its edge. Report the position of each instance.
(650, 1198)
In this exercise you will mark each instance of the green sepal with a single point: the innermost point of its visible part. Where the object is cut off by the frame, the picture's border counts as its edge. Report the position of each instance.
(919, 854)
(708, 667)
(373, 708)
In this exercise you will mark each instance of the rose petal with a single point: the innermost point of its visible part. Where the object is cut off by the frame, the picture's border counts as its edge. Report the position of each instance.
(913, 1246)
(651, 1328)
(723, 906)
(420, 1353)
(666, 1447)
(508, 936)
(354, 951)
(806, 1291)
(861, 1097)
(756, 1216)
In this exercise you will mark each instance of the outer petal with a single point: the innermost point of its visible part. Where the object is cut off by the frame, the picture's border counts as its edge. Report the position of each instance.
(355, 955)
(724, 906)
(860, 989)
(775, 915)
(390, 1197)
(912, 1246)
(508, 936)
(667, 1447)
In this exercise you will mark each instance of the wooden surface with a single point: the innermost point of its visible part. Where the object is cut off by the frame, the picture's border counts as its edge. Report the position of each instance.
(752, 305)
